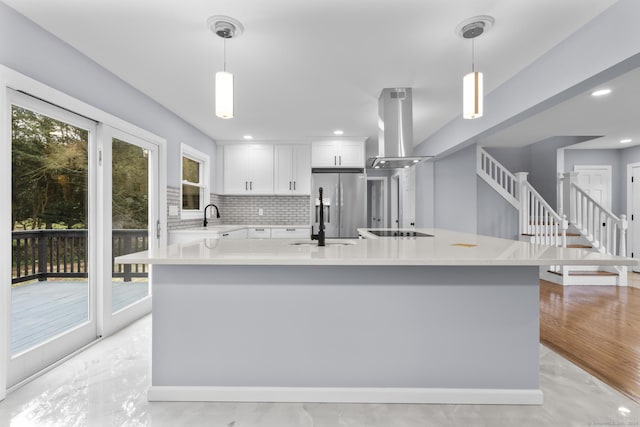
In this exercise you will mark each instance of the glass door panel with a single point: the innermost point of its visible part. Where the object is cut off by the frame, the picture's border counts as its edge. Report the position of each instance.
(52, 290)
(130, 168)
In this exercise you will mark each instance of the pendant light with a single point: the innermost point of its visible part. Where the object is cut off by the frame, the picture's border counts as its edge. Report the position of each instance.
(226, 28)
(472, 83)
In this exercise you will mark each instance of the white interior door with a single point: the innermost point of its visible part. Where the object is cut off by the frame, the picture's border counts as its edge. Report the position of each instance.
(395, 201)
(595, 180)
(408, 197)
(634, 214)
(377, 202)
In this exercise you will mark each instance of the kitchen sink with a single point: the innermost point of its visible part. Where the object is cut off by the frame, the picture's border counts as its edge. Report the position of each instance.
(326, 243)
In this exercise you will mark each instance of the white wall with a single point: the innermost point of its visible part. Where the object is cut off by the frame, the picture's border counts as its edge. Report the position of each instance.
(30, 50)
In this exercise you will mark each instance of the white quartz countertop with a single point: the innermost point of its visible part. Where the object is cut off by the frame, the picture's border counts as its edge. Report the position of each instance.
(444, 248)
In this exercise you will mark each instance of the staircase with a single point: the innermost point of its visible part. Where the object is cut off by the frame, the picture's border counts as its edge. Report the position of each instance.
(580, 222)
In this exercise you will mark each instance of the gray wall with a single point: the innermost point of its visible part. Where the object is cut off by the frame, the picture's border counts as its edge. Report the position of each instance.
(455, 191)
(496, 216)
(425, 194)
(30, 50)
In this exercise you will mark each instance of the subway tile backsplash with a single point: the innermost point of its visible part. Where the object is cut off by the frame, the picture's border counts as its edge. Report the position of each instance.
(285, 210)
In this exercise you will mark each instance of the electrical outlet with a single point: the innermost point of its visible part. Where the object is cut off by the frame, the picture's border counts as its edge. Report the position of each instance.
(260, 212)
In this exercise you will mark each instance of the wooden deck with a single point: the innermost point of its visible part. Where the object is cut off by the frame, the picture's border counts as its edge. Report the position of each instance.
(42, 310)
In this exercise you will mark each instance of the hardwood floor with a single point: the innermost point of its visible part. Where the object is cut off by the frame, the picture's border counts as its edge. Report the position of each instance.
(597, 328)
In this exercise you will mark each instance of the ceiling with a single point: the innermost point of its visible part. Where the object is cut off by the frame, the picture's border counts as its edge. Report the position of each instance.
(608, 119)
(304, 69)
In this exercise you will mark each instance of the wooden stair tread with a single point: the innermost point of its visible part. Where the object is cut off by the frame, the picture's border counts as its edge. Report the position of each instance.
(586, 273)
(568, 235)
(580, 246)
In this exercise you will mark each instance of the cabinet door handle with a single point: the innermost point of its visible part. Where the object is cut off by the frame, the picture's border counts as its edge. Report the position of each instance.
(289, 185)
(250, 185)
(225, 234)
(291, 229)
(335, 161)
(246, 185)
(294, 185)
(340, 157)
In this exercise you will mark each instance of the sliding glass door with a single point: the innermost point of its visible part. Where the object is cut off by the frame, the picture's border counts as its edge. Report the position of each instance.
(131, 196)
(53, 289)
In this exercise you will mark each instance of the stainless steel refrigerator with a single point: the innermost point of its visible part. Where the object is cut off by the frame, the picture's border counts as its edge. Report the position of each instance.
(345, 204)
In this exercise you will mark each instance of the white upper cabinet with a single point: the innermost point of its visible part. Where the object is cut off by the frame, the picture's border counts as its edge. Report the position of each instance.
(248, 169)
(292, 173)
(337, 154)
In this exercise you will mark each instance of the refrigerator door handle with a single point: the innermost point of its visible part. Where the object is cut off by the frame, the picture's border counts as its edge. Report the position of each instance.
(327, 213)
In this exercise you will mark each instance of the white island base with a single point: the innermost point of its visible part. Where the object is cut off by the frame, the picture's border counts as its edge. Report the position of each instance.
(357, 333)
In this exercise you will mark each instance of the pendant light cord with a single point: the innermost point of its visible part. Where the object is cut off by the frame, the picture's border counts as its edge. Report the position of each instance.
(473, 65)
(224, 55)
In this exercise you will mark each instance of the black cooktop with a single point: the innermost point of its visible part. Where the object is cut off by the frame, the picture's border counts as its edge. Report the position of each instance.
(399, 233)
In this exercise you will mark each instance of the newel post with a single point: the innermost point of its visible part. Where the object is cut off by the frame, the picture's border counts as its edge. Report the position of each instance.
(560, 194)
(623, 235)
(569, 202)
(523, 199)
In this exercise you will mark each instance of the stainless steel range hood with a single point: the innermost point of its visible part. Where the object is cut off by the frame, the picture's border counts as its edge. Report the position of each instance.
(395, 131)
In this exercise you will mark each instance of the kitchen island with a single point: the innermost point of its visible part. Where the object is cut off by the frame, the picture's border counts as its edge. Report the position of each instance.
(451, 318)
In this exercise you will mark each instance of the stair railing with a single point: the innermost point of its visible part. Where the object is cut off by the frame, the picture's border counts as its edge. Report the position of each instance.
(498, 177)
(537, 217)
(606, 232)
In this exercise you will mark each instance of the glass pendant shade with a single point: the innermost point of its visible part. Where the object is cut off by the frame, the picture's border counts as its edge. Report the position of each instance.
(472, 95)
(224, 95)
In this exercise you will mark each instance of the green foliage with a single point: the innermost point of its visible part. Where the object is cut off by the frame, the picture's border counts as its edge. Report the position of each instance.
(49, 170)
(50, 176)
(130, 176)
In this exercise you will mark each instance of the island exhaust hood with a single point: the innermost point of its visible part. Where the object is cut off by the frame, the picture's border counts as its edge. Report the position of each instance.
(395, 131)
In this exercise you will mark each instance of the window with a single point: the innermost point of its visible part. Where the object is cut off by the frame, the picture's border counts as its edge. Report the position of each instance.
(194, 191)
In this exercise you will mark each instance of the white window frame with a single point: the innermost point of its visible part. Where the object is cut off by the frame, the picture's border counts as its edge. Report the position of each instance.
(205, 181)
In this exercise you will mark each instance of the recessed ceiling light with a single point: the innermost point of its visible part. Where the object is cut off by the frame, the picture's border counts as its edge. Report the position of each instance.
(625, 141)
(624, 410)
(601, 92)
(382, 162)
(376, 167)
(338, 132)
(406, 166)
(248, 137)
(416, 161)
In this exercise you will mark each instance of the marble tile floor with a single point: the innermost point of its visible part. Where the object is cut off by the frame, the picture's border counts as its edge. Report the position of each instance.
(106, 386)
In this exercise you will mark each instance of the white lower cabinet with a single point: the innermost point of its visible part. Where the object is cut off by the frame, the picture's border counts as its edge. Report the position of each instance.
(235, 234)
(267, 232)
(259, 233)
(291, 233)
(185, 236)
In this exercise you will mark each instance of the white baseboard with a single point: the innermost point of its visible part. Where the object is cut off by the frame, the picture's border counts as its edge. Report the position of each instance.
(346, 395)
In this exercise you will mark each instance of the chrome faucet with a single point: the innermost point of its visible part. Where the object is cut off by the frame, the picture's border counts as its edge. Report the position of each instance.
(205, 213)
(320, 236)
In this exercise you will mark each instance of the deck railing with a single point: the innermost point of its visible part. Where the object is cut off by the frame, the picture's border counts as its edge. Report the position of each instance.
(40, 254)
